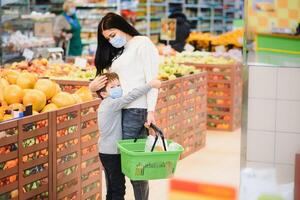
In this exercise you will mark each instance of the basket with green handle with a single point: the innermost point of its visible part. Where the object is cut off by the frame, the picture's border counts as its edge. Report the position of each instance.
(140, 165)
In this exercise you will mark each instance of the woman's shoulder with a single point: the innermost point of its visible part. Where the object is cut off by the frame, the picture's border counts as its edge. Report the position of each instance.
(141, 39)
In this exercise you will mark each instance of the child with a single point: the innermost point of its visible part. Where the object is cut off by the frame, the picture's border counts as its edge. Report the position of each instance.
(110, 127)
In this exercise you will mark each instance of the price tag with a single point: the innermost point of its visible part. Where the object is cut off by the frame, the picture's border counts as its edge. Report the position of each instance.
(189, 48)
(80, 62)
(28, 54)
(220, 49)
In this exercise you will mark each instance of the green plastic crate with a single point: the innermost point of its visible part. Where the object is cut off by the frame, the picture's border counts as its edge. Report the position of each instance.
(140, 165)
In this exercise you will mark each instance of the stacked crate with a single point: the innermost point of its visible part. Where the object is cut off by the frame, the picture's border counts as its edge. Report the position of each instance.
(181, 111)
(66, 155)
(25, 163)
(9, 180)
(90, 164)
(224, 95)
(78, 167)
(35, 148)
(51, 155)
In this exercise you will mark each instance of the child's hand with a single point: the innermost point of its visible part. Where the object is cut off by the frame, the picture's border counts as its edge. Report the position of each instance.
(155, 83)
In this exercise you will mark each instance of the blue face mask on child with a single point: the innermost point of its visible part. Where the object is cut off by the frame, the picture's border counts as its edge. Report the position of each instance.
(118, 41)
(116, 92)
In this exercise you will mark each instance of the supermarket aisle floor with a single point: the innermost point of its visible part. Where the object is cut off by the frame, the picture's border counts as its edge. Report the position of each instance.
(218, 162)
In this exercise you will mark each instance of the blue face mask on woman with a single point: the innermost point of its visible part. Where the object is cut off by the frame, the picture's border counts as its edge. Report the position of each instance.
(116, 92)
(118, 41)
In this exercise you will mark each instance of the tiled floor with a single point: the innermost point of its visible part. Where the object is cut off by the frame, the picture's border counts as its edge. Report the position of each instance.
(218, 162)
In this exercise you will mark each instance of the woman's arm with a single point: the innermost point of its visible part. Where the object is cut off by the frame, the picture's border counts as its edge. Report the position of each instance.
(150, 57)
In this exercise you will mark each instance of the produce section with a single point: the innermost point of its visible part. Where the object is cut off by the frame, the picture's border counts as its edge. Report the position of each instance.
(208, 41)
(224, 84)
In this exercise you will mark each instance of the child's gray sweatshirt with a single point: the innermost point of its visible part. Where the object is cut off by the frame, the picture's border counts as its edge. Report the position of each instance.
(110, 119)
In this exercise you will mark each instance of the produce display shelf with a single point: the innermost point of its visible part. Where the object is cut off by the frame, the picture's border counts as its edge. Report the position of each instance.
(47, 159)
(181, 111)
(225, 97)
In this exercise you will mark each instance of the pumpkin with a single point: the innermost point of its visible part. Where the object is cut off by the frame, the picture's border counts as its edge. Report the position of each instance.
(63, 99)
(35, 112)
(85, 94)
(47, 86)
(58, 89)
(35, 98)
(17, 106)
(77, 98)
(49, 107)
(13, 94)
(11, 76)
(26, 80)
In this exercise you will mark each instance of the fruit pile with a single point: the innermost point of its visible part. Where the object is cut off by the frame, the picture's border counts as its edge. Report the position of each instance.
(198, 57)
(203, 40)
(18, 90)
(10, 195)
(42, 68)
(170, 70)
(36, 184)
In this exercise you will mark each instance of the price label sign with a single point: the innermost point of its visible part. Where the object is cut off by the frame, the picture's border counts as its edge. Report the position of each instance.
(28, 54)
(80, 62)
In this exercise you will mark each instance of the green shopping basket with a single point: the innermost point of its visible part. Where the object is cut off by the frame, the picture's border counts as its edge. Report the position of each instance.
(140, 165)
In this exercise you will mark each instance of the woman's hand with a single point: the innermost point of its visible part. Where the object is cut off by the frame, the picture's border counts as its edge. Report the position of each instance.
(150, 118)
(98, 83)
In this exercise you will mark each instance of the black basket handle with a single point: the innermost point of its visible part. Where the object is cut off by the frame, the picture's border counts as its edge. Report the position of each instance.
(159, 133)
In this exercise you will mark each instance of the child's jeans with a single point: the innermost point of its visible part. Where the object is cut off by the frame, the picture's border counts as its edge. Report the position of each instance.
(115, 179)
(133, 121)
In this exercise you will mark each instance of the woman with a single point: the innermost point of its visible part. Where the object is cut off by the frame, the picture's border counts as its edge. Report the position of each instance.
(67, 28)
(135, 59)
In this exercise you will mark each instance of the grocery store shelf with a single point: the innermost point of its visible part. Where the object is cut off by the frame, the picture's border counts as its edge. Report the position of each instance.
(88, 42)
(154, 32)
(229, 3)
(205, 6)
(6, 18)
(191, 6)
(158, 4)
(141, 18)
(156, 18)
(90, 17)
(96, 5)
(89, 30)
(193, 18)
(176, 2)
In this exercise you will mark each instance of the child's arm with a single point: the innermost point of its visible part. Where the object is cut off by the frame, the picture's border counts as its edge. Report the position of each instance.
(120, 103)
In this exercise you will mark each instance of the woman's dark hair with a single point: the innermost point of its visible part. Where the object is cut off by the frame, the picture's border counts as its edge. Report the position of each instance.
(106, 53)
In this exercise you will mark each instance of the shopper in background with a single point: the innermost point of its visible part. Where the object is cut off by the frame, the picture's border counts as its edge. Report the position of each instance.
(121, 49)
(67, 30)
(183, 30)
